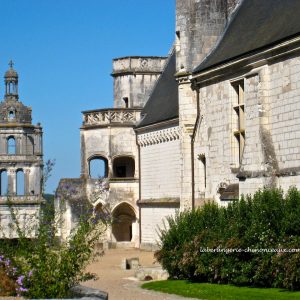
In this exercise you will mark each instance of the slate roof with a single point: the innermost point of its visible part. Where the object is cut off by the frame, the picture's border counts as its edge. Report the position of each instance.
(162, 104)
(255, 24)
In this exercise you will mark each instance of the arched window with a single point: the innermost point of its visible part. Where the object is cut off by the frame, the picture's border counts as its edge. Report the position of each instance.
(3, 183)
(11, 145)
(11, 115)
(20, 184)
(123, 218)
(123, 166)
(98, 167)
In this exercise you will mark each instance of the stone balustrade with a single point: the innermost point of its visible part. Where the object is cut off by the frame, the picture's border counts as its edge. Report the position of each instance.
(126, 116)
(16, 158)
(25, 199)
(138, 64)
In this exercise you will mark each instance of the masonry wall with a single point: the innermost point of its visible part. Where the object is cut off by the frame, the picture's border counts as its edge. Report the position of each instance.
(280, 136)
(214, 141)
(27, 216)
(153, 218)
(160, 165)
(108, 142)
(136, 88)
(160, 180)
(199, 23)
(272, 121)
(134, 78)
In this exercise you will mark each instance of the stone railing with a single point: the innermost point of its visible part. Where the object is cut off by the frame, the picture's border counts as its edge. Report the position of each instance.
(26, 199)
(138, 64)
(126, 116)
(18, 157)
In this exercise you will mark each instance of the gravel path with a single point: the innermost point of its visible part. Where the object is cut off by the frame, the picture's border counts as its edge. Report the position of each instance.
(121, 284)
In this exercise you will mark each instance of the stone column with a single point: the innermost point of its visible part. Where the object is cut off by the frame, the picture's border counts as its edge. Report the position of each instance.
(3, 145)
(84, 163)
(109, 167)
(27, 182)
(11, 175)
(187, 119)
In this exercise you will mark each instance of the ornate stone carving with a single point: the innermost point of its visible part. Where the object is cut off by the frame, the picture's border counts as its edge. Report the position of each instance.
(105, 117)
(159, 136)
(143, 63)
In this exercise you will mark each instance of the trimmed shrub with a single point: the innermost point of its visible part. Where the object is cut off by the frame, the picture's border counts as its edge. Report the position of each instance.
(237, 244)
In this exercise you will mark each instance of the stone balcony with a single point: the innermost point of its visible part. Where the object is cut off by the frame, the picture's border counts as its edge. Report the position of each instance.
(111, 117)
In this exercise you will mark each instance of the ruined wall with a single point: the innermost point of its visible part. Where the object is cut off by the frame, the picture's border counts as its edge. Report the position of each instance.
(27, 215)
(27, 157)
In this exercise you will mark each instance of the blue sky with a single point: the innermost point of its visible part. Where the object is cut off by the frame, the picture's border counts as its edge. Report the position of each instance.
(63, 51)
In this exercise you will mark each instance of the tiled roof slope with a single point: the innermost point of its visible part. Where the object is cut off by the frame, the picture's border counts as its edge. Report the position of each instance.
(162, 104)
(254, 25)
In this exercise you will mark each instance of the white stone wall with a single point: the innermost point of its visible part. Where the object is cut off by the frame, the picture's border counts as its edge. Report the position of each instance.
(108, 142)
(134, 78)
(284, 93)
(27, 218)
(272, 121)
(160, 164)
(187, 118)
(214, 140)
(153, 218)
(122, 191)
(136, 88)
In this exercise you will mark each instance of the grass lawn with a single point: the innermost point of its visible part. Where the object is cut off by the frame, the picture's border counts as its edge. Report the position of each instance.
(218, 292)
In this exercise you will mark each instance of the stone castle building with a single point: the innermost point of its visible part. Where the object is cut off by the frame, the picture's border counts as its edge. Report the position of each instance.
(21, 159)
(221, 120)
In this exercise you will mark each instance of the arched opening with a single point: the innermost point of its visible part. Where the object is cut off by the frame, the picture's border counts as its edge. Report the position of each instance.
(11, 145)
(123, 218)
(20, 183)
(3, 183)
(11, 115)
(98, 167)
(123, 166)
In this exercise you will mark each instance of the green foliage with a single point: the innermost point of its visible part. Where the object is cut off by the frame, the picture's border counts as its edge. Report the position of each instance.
(218, 291)
(268, 220)
(54, 265)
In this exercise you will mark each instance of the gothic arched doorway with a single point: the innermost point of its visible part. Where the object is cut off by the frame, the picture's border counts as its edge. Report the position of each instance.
(123, 219)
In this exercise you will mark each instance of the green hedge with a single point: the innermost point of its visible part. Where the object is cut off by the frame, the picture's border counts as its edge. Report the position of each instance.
(267, 220)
